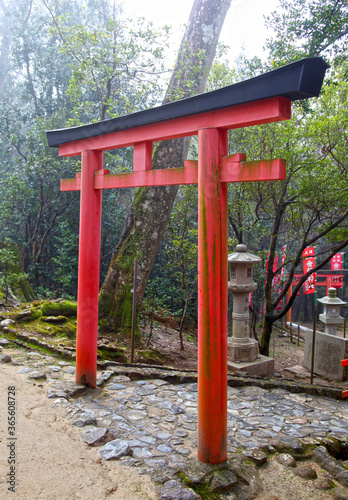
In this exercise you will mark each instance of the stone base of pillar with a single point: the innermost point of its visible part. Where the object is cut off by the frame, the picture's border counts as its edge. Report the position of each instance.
(262, 367)
(243, 350)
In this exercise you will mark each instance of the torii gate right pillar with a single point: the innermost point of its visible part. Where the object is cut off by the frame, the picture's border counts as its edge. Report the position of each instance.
(212, 298)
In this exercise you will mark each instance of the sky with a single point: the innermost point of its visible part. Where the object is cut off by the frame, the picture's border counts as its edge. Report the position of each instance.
(243, 28)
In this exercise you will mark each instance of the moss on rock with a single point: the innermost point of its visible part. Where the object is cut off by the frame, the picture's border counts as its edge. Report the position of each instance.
(61, 308)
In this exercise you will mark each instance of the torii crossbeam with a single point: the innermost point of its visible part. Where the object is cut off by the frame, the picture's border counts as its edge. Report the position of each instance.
(266, 98)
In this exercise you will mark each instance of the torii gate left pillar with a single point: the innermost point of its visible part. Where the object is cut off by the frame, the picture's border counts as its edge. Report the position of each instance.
(89, 268)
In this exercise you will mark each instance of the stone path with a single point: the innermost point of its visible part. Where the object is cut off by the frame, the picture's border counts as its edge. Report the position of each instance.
(143, 419)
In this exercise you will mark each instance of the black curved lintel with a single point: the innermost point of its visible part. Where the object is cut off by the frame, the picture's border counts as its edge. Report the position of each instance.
(299, 80)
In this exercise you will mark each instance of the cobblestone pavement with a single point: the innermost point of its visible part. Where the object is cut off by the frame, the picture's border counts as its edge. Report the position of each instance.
(145, 420)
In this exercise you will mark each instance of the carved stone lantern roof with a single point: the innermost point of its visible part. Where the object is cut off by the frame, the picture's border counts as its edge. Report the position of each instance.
(332, 299)
(241, 256)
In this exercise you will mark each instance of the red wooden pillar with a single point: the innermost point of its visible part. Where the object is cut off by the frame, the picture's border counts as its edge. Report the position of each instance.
(212, 299)
(88, 273)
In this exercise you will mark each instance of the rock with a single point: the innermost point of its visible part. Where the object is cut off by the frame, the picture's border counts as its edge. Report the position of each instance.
(164, 448)
(5, 358)
(286, 459)
(305, 471)
(161, 467)
(323, 483)
(37, 375)
(24, 315)
(161, 473)
(342, 477)
(164, 436)
(135, 415)
(258, 456)
(54, 368)
(54, 319)
(54, 393)
(175, 409)
(135, 442)
(4, 342)
(183, 451)
(115, 449)
(148, 439)
(222, 480)
(332, 446)
(7, 322)
(116, 387)
(85, 419)
(70, 370)
(73, 390)
(322, 458)
(97, 436)
(180, 433)
(249, 481)
(104, 377)
(288, 444)
(173, 490)
(25, 369)
(268, 448)
(340, 494)
(142, 453)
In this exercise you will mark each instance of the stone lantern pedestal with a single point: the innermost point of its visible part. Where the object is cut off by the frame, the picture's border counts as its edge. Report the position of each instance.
(243, 351)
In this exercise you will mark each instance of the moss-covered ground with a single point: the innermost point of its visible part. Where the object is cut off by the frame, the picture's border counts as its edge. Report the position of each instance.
(55, 323)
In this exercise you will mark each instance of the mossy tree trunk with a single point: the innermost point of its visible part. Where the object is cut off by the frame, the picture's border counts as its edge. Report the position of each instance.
(148, 217)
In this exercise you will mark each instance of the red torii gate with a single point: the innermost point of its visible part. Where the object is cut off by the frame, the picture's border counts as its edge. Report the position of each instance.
(263, 99)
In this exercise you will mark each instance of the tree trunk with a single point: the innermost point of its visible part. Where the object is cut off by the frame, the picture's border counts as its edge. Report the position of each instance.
(148, 217)
(266, 333)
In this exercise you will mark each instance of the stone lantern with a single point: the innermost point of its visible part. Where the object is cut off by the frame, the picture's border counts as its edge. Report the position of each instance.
(330, 349)
(332, 308)
(241, 347)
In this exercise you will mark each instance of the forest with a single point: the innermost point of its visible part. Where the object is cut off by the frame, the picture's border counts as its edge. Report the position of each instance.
(67, 63)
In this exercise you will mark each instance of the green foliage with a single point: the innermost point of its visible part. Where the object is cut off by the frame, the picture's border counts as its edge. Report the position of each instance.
(66, 259)
(115, 62)
(33, 203)
(11, 276)
(67, 62)
(221, 74)
(307, 28)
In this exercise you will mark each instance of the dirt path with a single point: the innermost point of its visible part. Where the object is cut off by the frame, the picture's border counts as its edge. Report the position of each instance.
(51, 460)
